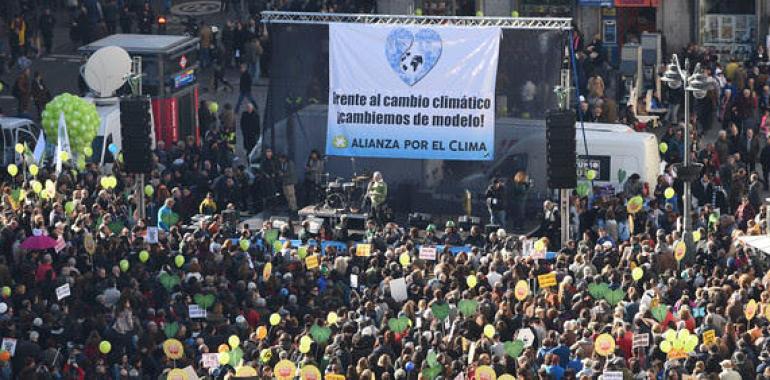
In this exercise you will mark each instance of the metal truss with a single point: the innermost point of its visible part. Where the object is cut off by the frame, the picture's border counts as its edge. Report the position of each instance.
(531, 23)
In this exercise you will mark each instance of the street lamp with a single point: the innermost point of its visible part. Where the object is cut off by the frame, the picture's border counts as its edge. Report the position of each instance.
(697, 83)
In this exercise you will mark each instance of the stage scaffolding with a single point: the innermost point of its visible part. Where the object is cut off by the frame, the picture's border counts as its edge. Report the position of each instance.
(523, 23)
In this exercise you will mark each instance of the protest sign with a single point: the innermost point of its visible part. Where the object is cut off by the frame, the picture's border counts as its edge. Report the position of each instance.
(63, 292)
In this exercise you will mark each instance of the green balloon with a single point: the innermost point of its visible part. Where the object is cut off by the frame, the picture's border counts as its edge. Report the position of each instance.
(149, 190)
(124, 265)
(69, 207)
(144, 256)
(179, 261)
(244, 244)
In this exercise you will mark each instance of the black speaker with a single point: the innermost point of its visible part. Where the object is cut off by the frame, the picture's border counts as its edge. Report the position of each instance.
(135, 130)
(561, 149)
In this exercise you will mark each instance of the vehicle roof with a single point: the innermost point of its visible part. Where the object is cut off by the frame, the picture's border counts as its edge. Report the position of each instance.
(140, 43)
(14, 122)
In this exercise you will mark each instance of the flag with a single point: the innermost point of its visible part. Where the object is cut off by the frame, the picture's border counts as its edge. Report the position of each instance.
(62, 143)
(39, 147)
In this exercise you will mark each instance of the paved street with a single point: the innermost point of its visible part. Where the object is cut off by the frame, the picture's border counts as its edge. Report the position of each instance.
(60, 69)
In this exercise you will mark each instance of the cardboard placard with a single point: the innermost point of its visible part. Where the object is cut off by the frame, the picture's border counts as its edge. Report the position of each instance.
(9, 344)
(210, 360)
(428, 253)
(364, 250)
(641, 340)
(312, 262)
(196, 311)
(546, 280)
(63, 292)
(354, 281)
(152, 235)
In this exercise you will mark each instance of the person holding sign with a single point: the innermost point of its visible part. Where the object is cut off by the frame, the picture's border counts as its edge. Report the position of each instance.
(377, 193)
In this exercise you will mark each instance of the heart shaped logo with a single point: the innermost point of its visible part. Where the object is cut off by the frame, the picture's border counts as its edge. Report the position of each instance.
(412, 55)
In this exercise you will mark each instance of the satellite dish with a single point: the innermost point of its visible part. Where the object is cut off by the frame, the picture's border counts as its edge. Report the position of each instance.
(106, 70)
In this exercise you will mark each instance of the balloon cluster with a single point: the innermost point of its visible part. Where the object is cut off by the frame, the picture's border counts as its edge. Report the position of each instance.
(80, 115)
(108, 182)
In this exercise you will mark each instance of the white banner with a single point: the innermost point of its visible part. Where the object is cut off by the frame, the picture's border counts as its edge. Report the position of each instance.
(425, 92)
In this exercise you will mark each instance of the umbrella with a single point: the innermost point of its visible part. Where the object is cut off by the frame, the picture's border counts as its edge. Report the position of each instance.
(40, 242)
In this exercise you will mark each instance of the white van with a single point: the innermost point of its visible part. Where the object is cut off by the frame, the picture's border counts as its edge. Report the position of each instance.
(615, 152)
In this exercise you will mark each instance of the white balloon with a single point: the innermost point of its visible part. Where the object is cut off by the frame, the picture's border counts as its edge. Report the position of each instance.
(3, 307)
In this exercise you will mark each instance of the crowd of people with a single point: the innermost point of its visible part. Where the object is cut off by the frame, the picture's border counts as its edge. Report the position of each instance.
(115, 288)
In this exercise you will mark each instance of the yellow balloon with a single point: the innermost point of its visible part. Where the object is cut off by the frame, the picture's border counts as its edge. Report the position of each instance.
(224, 358)
(19, 148)
(472, 281)
(304, 348)
(591, 175)
(696, 236)
(331, 318)
(234, 341)
(33, 169)
(64, 156)
(404, 259)
(275, 319)
(37, 187)
(306, 340)
(669, 193)
(13, 170)
(637, 273)
(489, 331)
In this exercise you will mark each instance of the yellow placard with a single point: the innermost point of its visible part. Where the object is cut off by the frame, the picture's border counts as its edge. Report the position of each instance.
(546, 280)
(485, 372)
(267, 271)
(766, 309)
(709, 337)
(245, 371)
(334, 376)
(173, 349)
(680, 249)
(521, 291)
(364, 250)
(604, 345)
(751, 309)
(284, 370)
(309, 372)
(311, 262)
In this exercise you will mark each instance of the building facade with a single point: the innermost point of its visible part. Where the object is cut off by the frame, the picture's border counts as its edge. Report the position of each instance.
(730, 27)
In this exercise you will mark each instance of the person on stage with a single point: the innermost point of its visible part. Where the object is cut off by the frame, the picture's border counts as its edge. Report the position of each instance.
(377, 193)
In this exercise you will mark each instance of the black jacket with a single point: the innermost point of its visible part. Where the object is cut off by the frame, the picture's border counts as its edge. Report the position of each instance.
(245, 84)
(495, 198)
(250, 124)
